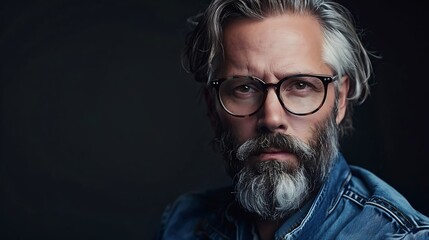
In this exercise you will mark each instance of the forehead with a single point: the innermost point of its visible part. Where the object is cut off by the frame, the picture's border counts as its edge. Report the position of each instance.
(299, 24)
(288, 38)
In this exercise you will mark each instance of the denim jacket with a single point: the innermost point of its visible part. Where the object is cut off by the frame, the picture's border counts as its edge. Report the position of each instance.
(353, 203)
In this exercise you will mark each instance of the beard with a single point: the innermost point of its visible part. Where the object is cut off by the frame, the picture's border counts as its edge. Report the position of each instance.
(274, 189)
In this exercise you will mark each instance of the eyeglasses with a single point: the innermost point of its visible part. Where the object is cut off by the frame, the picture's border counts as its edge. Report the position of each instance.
(301, 94)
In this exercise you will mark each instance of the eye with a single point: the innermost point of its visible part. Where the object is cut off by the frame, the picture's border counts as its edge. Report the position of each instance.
(300, 85)
(303, 84)
(245, 89)
(241, 88)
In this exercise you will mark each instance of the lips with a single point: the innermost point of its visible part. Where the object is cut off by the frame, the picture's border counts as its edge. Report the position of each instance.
(273, 154)
(273, 150)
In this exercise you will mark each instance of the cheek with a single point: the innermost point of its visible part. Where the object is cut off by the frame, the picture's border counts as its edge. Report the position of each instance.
(305, 128)
(302, 127)
(241, 128)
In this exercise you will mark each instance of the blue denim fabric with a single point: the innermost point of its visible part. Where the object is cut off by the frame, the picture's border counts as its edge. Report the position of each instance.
(352, 204)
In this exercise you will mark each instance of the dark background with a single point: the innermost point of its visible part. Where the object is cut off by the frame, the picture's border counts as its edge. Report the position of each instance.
(101, 127)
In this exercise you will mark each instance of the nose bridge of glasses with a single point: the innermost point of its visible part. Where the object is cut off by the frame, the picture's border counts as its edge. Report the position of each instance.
(269, 85)
(275, 87)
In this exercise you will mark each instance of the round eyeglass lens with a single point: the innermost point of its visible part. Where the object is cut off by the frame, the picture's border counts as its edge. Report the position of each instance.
(241, 95)
(303, 94)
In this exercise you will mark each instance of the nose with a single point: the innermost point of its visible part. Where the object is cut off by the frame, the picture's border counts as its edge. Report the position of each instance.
(272, 115)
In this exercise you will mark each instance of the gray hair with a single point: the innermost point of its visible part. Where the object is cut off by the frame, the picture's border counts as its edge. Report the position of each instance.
(342, 47)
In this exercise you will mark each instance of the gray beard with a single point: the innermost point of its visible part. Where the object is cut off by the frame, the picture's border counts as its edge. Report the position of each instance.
(272, 189)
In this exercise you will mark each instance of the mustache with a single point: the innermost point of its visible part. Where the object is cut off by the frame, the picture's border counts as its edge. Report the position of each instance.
(278, 141)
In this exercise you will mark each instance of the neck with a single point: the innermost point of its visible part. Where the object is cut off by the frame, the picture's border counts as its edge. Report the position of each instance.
(267, 229)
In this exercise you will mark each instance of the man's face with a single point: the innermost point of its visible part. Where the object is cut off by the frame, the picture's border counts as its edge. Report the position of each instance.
(272, 49)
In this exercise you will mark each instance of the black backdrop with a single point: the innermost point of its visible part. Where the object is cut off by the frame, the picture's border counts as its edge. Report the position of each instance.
(101, 127)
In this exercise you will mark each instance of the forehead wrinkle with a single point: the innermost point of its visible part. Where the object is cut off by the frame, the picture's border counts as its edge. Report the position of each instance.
(243, 64)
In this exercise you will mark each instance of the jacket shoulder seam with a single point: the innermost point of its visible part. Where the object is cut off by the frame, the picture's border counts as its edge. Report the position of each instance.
(395, 213)
(405, 222)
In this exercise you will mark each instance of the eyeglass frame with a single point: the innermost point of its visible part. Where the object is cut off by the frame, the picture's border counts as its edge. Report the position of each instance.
(324, 78)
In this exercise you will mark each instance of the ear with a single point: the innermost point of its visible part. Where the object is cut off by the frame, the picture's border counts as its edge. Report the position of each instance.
(342, 98)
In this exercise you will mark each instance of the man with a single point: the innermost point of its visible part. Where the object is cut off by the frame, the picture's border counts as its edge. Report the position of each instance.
(281, 80)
